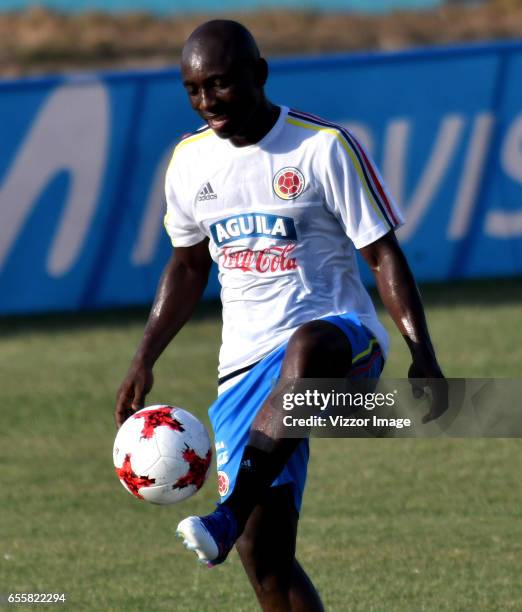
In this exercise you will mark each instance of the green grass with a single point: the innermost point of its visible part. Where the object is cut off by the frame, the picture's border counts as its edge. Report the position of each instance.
(387, 525)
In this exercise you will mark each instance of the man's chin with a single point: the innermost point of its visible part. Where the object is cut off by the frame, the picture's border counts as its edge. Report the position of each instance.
(223, 133)
(235, 136)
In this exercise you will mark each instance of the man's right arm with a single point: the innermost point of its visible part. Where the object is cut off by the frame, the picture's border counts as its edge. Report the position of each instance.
(181, 286)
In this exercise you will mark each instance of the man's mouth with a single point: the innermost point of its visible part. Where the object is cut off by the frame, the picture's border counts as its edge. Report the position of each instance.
(218, 122)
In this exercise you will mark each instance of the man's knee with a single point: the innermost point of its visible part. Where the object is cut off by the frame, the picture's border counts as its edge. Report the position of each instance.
(317, 349)
(245, 546)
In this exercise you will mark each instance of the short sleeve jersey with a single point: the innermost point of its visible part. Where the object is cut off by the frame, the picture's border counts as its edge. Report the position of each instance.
(284, 218)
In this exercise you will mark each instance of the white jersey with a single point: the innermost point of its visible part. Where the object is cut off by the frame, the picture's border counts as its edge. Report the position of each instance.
(284, 217)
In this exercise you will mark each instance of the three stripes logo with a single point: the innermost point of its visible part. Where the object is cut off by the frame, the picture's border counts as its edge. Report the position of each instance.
(206, 193)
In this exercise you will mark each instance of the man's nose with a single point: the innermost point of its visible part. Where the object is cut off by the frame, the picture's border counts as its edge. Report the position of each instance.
(207, 99)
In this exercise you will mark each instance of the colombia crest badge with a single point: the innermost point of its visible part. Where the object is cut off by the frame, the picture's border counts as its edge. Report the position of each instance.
(288, 183)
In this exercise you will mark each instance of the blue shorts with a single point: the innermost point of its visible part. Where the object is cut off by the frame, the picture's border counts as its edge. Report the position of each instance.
(233, 413)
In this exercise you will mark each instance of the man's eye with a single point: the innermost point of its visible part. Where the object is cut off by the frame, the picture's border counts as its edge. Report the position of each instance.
(221, 83)
(191, 90)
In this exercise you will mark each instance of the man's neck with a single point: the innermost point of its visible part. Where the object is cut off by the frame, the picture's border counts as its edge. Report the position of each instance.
(262, 122)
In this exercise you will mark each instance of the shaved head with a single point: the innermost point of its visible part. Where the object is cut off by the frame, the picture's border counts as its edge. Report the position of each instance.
(221, 38)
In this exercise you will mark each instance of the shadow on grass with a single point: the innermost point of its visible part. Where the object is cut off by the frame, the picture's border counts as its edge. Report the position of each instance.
(484, 292)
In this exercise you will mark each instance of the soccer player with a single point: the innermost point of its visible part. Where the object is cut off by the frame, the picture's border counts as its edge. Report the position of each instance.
(280, 200)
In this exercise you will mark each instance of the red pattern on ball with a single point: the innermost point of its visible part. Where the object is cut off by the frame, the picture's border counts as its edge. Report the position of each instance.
(197, 472)
(134, 482)
(157, 417)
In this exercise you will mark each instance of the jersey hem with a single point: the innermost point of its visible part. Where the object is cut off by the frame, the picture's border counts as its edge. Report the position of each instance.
(187, 242)
(376, 232)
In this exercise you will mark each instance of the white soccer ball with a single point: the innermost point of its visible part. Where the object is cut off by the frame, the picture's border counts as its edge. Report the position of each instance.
(162, 454)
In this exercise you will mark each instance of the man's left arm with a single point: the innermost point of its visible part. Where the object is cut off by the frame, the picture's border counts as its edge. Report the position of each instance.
(402, 300)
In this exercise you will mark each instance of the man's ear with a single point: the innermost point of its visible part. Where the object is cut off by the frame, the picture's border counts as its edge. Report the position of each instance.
(261, 72)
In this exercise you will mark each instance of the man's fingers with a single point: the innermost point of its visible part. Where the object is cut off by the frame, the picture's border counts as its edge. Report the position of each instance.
(139, 399)
(417, 387)
(124, 406)
(132, 393)
(122, 412)
(430, 416)
(121, 416)
(433, 414)
(418, 392)
(440, 399)
(429, 381)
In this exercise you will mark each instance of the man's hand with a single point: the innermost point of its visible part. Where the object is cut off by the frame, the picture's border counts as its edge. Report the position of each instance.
(426, 374)
(132, 392)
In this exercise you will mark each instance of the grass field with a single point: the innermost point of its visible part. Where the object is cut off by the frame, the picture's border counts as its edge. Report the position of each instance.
(387, 525)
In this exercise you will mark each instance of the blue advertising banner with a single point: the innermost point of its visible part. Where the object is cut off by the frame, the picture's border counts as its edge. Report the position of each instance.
(82, 163)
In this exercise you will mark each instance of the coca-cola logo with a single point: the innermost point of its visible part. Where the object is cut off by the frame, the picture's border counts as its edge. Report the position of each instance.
(271, 259)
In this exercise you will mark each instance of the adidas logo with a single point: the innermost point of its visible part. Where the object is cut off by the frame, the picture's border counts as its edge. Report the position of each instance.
(207, 193)
(246, 464)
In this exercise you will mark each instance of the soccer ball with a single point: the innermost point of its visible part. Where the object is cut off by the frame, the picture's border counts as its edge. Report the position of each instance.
(162, 454)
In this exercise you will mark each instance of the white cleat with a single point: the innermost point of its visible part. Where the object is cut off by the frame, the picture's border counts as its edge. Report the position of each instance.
(212, 536)
(197, 538)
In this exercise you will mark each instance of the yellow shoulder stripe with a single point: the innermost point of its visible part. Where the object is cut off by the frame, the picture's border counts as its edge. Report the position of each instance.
(336, 134)
(189, 140)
